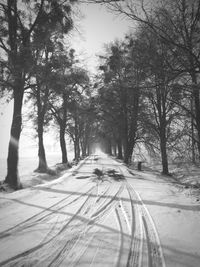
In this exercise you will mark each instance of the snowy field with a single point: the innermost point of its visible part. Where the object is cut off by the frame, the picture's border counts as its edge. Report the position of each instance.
(28, 164)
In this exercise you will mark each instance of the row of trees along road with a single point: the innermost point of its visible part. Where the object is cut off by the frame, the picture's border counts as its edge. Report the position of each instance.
(26, 29)
(27, 34)
(152, 80)
(148, 90)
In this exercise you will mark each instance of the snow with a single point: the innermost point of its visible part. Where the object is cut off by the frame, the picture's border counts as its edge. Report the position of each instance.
(116, 217)
(184, 173)
(176, 217)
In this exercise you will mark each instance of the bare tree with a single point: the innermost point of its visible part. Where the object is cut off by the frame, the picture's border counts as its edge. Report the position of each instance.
(176, 24)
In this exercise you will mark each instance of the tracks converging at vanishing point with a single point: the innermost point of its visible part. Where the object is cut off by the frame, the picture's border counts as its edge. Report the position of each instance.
(102, 223)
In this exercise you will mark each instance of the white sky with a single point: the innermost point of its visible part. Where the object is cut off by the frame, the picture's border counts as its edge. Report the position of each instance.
(98, 27)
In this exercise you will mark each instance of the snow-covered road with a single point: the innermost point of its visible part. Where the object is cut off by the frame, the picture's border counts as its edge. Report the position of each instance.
(116, 218)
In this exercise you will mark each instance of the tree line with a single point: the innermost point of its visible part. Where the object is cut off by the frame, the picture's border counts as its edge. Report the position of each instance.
(149, 92)
(146, 94)
(35, 63)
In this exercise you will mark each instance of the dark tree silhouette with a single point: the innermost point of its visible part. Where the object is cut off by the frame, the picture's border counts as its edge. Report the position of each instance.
(16, 36)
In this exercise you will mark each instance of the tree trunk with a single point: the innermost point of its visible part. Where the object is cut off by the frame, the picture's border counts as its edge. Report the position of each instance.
(41, 110)
(62, 123)
(128, 154)
(12, 177)
(76, 137)
(119, 149)
(197, 114)
(42, 166)
(131, 127)
(125, 146)
(195, 99)
(63, 145)
(84, 147)
(114, 149)
(109, 147)
(130, 143)
(162, 126)
(76, 149)
(163, 148)
(192, 134)
(165, 169)
(88, 149)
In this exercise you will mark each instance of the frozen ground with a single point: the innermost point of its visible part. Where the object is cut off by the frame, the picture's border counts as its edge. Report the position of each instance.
(101, 214)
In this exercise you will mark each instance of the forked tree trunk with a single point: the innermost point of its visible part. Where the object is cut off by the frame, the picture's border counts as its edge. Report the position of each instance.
(12, 177)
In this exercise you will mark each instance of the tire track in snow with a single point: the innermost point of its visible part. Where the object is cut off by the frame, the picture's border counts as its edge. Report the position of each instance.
(105, 206)
(135, 251)
(40, 216)
(123, 226)
(52, 241)
(70, 235)
(141, 226)
(6, 233)
(155, 254)
(70, 247)
(82, 211)
(94, 219)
